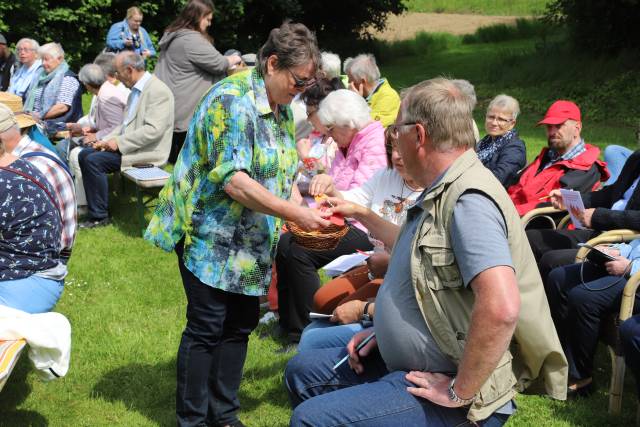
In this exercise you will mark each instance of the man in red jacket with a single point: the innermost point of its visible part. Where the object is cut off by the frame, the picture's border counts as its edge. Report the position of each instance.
(567, 163)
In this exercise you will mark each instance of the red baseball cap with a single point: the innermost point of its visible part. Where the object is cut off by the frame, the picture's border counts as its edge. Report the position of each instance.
(560, 112)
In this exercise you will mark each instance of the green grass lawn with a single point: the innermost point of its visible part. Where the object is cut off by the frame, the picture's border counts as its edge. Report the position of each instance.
(481, 7)
(126, 305)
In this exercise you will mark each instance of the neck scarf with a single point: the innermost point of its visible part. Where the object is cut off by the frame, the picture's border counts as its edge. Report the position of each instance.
(488, 146)
(50, 84)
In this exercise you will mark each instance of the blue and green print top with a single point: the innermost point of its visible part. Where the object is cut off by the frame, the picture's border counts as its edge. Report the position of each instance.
(227, 245)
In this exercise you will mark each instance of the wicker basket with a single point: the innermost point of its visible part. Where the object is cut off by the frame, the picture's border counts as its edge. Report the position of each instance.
(319, 240)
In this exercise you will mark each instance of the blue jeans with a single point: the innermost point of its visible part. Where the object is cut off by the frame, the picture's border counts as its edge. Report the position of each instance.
(630, 337)
(325, 334)
(95, 166)
(615, 156)
(322, 397)
(33, 294)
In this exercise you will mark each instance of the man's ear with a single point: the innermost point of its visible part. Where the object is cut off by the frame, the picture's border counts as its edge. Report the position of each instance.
(421, 133)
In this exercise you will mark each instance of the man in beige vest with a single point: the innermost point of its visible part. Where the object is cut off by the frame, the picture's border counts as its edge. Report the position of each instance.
(461, 321)
(144, 138)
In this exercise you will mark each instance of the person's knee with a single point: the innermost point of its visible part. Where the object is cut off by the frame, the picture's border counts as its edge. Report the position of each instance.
(292, 373)
(630, 333)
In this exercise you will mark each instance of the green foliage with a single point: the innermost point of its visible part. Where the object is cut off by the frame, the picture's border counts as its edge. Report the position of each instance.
(602, 26)
(423, 44)
(481, 7)
(524, 28)
(81, 25)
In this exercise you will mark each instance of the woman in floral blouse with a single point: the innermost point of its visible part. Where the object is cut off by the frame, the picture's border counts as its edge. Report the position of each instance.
(222, 210)
(31, 274)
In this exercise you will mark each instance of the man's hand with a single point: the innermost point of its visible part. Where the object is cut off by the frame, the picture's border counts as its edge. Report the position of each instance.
(556, 199)
(89, 138)
(378, 263)
(354, 356)
(584, 216)
(321, 184)
(349, 312)
(433, 387)
(146, 53)
(110, 145)
(128, 42)
(344, 208)
(74, 128)
(311, 219)
(618, 267)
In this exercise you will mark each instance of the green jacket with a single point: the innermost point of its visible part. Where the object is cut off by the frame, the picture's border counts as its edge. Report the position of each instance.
(384, 103)
(535, 352)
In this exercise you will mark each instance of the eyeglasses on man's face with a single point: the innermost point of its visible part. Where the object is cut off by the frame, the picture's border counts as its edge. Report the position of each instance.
(396, 130)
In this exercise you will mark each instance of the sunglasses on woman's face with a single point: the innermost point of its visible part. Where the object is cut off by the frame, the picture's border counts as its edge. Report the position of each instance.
(301, 83)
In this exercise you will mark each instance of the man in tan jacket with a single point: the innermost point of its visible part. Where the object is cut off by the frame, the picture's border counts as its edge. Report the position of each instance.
(461, 321)
(143, 138)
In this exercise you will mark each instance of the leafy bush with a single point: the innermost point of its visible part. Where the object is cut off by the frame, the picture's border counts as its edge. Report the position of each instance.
(602, 26)
(524, 28)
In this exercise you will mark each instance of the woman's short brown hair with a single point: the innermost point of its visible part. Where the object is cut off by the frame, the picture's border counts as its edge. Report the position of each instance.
(293, 44)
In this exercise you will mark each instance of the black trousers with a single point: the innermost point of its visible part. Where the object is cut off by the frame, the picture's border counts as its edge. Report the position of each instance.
(176, 145)
(554, 248)
(579, 301)
(630, 337)
(298, 278)
(212, 351)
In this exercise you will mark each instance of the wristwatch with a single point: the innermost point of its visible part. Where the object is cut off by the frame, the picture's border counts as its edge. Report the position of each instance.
(454, 397)
(366, 317)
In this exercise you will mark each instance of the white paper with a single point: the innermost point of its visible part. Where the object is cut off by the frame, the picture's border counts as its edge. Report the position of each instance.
(573, 203)
(147, 174)
(345, 263)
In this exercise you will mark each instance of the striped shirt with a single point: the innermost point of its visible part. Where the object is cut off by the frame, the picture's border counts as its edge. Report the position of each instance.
(68, 89)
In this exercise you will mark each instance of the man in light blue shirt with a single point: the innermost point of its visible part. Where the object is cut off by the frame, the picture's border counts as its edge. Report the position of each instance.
(29, 70)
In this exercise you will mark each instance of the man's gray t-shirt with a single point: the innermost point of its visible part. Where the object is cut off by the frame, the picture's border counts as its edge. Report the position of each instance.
(479, 242)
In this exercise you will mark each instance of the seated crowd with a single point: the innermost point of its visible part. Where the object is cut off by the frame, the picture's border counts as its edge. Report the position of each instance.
(429, 323)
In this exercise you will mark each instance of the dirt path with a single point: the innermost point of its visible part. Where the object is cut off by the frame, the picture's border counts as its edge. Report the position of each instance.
(406, 26)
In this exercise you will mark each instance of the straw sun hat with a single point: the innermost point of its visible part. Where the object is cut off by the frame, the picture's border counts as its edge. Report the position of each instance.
(14, 102)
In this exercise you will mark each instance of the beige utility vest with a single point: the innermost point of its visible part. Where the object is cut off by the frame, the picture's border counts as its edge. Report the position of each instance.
(535, 353)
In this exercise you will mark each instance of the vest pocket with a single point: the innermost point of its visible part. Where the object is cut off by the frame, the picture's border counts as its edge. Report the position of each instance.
(437, 254)
(499, 383)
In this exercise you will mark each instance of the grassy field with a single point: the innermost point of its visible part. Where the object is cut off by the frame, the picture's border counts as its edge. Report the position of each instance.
(481, 7)
(125, 300)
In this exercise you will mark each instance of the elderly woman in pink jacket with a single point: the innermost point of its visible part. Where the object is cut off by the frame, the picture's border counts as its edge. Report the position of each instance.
(361, 153)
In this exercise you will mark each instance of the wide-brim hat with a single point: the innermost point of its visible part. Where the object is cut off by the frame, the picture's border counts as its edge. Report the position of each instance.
(14, 102)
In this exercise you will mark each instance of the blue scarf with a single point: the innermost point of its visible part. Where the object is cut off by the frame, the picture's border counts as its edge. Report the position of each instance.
(50, 84)
(488, 145)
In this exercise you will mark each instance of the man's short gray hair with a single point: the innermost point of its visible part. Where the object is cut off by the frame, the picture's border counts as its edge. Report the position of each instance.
(92, 75)
(52, 49)
(132, 59)
(32, 44)
(344, 108)
(363, 66)
(467, 88)
(107, 61)
(330, 65)
(443, 109)
(506, 103)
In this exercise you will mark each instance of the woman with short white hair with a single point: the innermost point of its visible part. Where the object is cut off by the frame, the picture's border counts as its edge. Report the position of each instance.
(501, 150)
(360, 140)
(330, 65)
(55, 96)
(29, 69)
(361, 153)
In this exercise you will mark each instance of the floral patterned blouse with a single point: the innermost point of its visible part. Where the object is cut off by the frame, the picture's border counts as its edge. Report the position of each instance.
(30, 225)
(226, 245)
